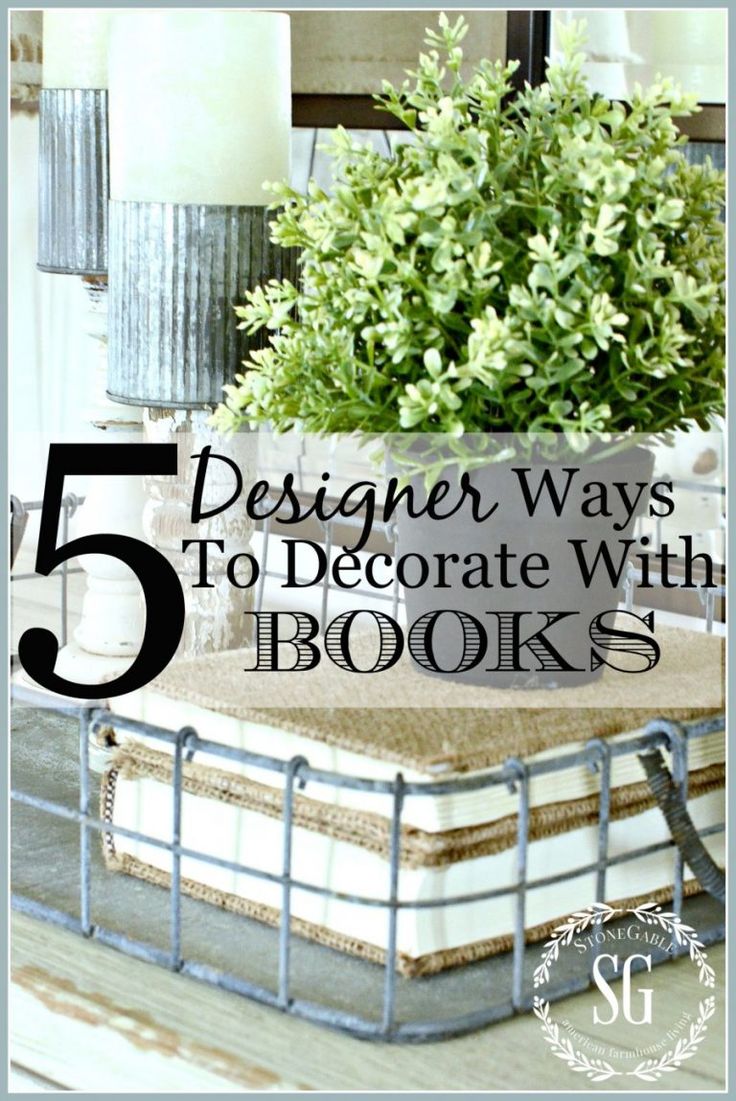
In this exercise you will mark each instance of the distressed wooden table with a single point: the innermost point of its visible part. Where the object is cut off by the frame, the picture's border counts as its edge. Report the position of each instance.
(85, 1017)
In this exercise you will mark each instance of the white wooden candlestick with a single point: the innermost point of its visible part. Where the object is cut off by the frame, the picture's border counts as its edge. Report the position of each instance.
(110, 632)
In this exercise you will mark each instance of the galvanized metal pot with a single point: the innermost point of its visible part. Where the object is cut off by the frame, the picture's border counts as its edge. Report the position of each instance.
(73, 181)
(176, 273)
(543, 533)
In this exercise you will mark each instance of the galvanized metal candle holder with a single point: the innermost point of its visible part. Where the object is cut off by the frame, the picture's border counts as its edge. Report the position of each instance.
(73, 181)
(176, 273)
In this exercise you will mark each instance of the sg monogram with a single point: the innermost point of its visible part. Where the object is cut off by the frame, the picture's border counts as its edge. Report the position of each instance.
(610, 995)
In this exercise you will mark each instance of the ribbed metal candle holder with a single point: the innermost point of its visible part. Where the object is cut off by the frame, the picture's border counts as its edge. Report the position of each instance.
(176, 272)
(73, 181)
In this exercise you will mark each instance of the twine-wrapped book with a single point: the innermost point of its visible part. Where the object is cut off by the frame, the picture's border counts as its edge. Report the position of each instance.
(451, 844)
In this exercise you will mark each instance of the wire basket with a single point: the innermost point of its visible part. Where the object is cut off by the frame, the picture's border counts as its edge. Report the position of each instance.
(502, 984)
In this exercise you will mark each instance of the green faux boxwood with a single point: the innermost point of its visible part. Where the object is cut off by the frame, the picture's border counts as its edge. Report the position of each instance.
(545, 261)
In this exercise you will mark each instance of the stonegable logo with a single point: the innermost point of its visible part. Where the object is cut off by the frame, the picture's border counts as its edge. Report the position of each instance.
(651, 1039)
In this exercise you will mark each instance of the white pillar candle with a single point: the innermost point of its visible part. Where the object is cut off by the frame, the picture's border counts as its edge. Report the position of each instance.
(75, 48)
(608, 35)
(690, 37)
(200, 106)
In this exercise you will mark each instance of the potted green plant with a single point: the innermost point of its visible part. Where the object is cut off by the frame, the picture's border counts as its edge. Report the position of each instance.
(546, 262)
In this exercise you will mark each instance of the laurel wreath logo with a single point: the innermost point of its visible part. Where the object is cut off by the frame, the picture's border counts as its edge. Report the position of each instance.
(649, 913)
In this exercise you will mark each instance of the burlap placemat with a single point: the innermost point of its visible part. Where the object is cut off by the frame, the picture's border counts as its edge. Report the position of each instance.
(419, 849)
(474, 728)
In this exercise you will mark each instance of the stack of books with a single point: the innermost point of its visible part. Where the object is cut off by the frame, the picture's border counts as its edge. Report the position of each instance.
(454, 844)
